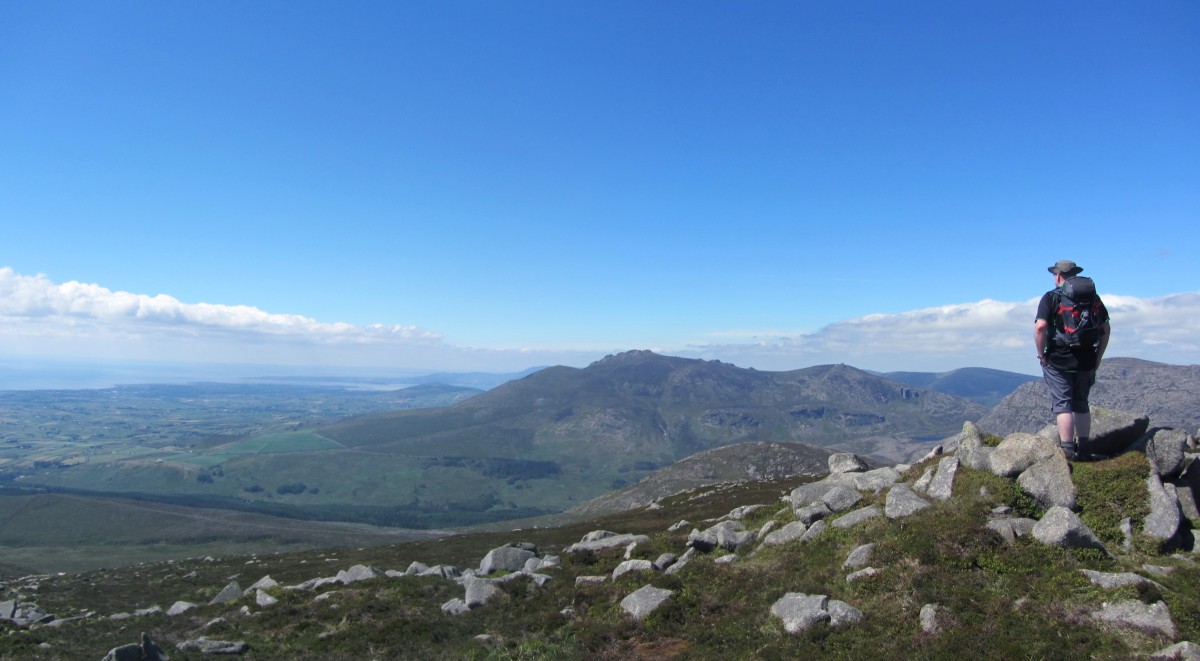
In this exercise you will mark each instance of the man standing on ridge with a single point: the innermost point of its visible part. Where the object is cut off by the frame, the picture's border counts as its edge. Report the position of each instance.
(1071, 332)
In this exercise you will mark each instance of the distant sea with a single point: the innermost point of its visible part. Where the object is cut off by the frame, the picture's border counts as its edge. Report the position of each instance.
(23, 374)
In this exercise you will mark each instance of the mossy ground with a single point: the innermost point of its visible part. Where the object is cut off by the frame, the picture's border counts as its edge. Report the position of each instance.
(1000, 600)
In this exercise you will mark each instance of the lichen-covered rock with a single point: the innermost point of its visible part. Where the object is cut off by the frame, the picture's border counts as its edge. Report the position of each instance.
(505, 558)
(602, 539)
(231, 592)
(1165, 516)
(901, 502)
(800, 611)
(1049, 482)
(1018, 452)
(857, 516)
(789, 533)
(846, 462)
(1165, 450)
(210, 647)
(859, 557)
(841, 498)
(645, 601)
(972, 451)
(942, 486)
(1154, 617)
(632, 566)
(1061, 527)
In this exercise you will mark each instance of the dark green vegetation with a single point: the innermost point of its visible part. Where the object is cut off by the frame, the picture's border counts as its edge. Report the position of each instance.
(64, 532)
(538, 445)
(1018, 601)
(978, 384)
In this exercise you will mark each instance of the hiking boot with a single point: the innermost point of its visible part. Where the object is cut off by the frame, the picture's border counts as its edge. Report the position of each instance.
(1069, 450)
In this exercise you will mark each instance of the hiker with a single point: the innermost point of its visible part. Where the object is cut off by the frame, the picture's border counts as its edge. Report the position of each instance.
(1071, 333)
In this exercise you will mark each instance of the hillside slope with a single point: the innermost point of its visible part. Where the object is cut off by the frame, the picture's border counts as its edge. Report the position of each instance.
(1169, 394)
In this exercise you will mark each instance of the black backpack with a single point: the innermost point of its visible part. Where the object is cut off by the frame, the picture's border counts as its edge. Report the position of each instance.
(1078, 320)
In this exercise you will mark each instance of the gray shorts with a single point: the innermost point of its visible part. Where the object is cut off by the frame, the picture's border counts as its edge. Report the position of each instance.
(1068, 390)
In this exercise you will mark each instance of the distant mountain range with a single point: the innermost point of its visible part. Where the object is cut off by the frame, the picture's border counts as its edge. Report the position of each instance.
(1169, 394)
(563, 435)
(978, 384)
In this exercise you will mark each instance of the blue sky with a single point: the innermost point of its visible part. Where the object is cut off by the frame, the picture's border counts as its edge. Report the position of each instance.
(483, 185)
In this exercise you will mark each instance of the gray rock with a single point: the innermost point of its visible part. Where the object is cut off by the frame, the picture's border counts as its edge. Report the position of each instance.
(645, 601)
(842, 613)
(859, 557)
(1154, 617)
(1187, 487)
(971, 450)
(857, 516)
(1127, 534)
(801, 611)
(358, 573)
(1049, 482)
(611, 540)
(867, 572)
(231, 592)
(581, 580)
(739, 513)
(1165, 450)
(1112, 581)
(206, 646)
(725, 559)
(942, 486)
(679, 525)
(1012, 528)
(922, 483)
(180, 607)
(538, 564)
(1061, 527)
(442, 571)
(632, 566)
(265, 600)
(665, 560)
(814, 531)
(789, 533)
(840, 499)
(811, 492)
(1019, 451)
(479, 591)
(1184, 651)
(505, 558)
(876, 480)
(728, 535)
(814, 512)
(846, 462)
(902, 502)
(147, 650)
(929, 619)
(1113, 431)
(264, 583)
(8, 609)
(1165, 516)
(415, 568)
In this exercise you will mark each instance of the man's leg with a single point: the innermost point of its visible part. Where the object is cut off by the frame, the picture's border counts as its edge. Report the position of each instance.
(1066, 429)
(1059, 385)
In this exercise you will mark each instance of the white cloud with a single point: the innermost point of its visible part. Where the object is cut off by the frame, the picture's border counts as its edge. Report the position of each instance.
(76, 320)
(986, 333)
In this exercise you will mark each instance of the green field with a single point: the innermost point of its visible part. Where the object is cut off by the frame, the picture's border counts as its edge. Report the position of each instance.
(274, 443)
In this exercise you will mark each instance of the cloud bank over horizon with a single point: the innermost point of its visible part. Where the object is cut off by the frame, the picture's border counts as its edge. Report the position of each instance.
(41, 319)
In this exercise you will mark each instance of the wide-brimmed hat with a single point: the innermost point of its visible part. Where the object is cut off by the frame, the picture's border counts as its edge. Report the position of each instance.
(1065, 267)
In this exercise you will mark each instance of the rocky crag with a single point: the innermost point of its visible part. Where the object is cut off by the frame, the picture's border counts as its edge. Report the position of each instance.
(908, 560)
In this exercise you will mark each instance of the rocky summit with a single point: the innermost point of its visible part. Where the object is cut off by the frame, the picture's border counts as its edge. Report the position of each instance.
(990, 546)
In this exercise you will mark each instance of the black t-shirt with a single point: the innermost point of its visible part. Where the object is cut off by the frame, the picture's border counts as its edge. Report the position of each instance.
(1066, 358)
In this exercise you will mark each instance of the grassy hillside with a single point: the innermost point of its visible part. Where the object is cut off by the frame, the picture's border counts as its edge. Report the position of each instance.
(541, 444)
(999, 600)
